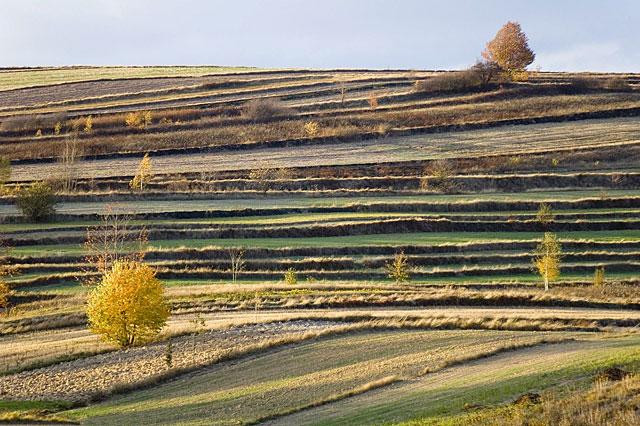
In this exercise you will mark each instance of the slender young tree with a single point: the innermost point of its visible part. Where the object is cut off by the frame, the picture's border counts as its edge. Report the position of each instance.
(144, 174)
(547, 260)
(237, 262)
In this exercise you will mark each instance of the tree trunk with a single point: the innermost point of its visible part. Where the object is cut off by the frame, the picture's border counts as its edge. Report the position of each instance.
(546, 284)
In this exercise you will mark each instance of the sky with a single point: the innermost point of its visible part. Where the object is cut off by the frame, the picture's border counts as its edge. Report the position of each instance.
(567, 35)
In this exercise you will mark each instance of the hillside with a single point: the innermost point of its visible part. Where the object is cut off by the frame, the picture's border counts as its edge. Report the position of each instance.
(330, 175)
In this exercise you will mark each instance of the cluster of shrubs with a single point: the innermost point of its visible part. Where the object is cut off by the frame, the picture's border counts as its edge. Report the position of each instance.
(258, 110)
(619, 84)
(479, 76)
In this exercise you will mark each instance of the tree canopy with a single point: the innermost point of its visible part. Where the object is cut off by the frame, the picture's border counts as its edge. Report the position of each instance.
(510, 49)
(128, 306)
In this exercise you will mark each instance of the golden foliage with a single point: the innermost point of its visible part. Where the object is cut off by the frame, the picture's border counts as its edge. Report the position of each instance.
(138, 119)
(545, 214)
(547, 260)
(5, 292)
(312, 128)
(88, 124)
(290, 277)
(510, 49)
(144, 174)
(128, 306)
(598, 276)
(398, 268)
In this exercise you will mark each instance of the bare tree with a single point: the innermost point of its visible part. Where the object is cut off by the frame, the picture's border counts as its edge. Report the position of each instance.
(112, 240)
(68, 159)
(237, 262)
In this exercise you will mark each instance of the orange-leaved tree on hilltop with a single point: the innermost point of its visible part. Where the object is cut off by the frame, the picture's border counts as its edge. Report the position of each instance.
(510, 49)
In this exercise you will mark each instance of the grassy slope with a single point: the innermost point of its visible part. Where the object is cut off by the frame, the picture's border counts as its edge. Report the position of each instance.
(491, 381)
(511, 140)
(283, 380)
(358, 240)
(37, 77)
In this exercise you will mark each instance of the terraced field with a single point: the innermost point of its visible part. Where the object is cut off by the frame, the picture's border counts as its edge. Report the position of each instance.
(454, 180)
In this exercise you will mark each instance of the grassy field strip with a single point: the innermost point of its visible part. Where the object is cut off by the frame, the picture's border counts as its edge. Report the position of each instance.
(235, 393)
(210, 98)
(359, 240)
(45, 276)
(340, 229)
(150, 206)
(197, 88)
(72, 228)
(341, 263)
(492, 380)
(13, 79)
(510, 139)
(27, 228)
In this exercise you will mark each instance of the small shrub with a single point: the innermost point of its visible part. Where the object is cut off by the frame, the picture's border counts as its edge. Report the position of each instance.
(545, 214)
(584, 82)
(57, 129)
(291, 277)
(398, 268)
(373, 102)
(265, 109)
(438, 177)
(311, 128)
(168, 354)
(88, 124)
(5, 171)
(147, 118)
(138, 119)
(451, 82)
(598, 276)
(619, 84)
(37, 201)
(5, 293)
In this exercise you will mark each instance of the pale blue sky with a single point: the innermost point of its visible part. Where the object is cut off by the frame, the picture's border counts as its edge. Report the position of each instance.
(570, 35)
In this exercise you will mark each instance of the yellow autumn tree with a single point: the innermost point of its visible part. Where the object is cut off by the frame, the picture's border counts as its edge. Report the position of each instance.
(128, 307)
(143, 176)
(547, 260)
(510, 49)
